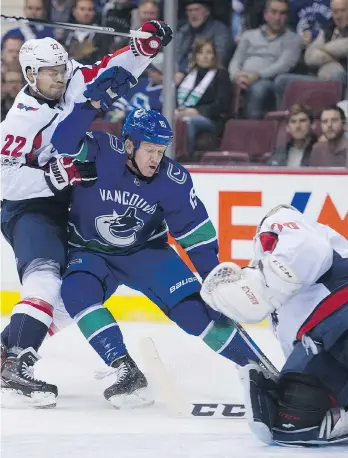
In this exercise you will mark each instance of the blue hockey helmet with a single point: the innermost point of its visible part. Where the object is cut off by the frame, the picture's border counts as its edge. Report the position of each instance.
(148, 126)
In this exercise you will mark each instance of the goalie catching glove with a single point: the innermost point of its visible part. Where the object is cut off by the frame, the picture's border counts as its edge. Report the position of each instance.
(243, 294)
(63, 172)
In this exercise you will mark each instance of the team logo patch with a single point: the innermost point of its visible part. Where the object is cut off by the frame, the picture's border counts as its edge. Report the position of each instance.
(176, 174)
(119, 230)
(21, 106)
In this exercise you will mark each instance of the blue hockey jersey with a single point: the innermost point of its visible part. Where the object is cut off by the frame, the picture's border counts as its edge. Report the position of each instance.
(309, 15)
(121, 213)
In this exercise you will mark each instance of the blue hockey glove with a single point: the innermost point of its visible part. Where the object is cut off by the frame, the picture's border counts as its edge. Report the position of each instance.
(109, 86)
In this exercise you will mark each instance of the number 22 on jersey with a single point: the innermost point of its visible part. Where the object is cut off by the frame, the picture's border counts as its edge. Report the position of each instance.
(13, 145)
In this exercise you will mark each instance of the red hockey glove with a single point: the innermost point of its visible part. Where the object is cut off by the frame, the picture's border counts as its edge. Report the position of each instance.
(63, 172)
(162, 35)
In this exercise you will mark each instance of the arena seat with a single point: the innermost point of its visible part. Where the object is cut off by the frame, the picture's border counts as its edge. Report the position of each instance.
(244, 141)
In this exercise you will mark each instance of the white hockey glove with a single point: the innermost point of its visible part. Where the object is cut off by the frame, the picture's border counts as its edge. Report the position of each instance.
(238, 293)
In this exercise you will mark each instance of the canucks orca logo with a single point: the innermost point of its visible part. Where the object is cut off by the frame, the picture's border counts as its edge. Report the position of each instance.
(119, 230)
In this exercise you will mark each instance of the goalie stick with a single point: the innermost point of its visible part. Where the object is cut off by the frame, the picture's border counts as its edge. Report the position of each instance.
(175, 398)
(67, 26)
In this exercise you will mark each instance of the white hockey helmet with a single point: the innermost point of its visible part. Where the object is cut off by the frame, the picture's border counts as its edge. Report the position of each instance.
(41, 52)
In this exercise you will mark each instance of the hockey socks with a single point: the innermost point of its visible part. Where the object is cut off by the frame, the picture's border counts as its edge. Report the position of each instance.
(223, 337)
(102, 332)
(30, 320)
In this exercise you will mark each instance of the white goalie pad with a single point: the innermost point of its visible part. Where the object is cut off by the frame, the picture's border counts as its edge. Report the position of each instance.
(237, 293)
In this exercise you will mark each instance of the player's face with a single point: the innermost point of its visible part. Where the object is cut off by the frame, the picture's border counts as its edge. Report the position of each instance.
(148, 157)
(51, 81)
(299, 126)
(331, 124)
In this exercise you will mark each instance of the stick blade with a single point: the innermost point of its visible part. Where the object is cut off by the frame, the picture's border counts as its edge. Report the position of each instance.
(174, 398)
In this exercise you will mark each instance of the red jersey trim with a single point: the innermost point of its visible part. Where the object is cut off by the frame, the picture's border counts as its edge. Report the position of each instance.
(325, 308)
(90, 74)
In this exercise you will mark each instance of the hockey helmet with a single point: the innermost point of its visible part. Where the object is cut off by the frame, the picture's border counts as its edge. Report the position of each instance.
(149, 126)
(41, 52)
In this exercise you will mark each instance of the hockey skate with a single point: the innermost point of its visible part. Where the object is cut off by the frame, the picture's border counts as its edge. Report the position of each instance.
(18, 385)
(130, 389)
(3, 352)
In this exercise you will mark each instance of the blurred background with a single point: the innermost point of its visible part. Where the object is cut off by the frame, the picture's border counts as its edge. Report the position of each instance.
(256, 91)
(250, 77)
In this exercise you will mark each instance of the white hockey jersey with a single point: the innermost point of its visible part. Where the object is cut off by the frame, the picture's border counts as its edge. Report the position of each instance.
(29, 125)
(318, 256)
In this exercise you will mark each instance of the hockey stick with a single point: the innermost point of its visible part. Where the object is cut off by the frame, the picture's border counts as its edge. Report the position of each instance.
(175, 399)
(67, 26)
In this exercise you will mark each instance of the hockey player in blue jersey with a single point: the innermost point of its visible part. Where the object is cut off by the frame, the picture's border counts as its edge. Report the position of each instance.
(118, 235)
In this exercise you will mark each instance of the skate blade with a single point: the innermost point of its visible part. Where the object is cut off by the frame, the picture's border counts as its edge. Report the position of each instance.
(11, 398)
(139, 398)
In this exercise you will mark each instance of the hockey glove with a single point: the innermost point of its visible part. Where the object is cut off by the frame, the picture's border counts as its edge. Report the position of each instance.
(109, 86)
(63, 172)
(162, 35)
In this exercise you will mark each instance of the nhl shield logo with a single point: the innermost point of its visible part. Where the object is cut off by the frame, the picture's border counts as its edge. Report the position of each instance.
(119, 230)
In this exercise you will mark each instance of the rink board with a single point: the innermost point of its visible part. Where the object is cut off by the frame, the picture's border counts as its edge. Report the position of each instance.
(236, 200)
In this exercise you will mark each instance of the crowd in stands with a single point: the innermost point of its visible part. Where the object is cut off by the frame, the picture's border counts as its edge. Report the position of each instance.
(257, 82)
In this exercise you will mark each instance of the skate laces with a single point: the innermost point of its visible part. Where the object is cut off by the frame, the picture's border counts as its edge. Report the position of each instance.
(28, 372)
(120, 372)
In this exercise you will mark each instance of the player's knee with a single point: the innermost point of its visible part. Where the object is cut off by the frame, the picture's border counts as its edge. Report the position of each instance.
(193, 315)
(81, 290)
(41, 279)
(303, 400)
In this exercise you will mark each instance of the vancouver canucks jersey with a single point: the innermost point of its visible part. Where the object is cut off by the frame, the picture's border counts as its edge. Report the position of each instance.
(122, 212)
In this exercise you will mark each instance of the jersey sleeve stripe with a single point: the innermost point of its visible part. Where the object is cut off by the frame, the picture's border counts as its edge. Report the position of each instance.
(201, 233)
(204, 242)
(89, 74)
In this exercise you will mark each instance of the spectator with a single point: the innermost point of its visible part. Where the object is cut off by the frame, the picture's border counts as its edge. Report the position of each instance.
(147, 94)
(10, 54)
(237, 19)
(334, 151)
(148, 10)
(296, 152)
(200, 24)
(11, 83)
(329, 52)
(309, 17)
(84, 46)
(118, 14)
(61, 10)
(34, 9)
(254, 13)
(204, 95)
(262, 54)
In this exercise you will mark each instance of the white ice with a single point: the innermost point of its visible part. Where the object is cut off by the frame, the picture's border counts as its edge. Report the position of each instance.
(84, 425)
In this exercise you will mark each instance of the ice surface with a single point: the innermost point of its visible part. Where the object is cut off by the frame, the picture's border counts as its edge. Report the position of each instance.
(84, 425)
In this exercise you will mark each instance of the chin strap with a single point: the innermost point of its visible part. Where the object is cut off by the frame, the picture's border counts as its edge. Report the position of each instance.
(131, 157)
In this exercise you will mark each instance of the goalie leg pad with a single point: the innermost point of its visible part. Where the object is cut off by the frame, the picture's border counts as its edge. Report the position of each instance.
(303, 402)
(260, 401)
